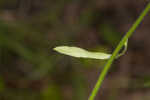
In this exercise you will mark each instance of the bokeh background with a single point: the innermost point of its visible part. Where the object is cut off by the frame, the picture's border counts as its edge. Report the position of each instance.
(31, 70)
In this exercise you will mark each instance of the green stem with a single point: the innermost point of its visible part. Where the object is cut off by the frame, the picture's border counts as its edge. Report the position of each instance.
(116, 51)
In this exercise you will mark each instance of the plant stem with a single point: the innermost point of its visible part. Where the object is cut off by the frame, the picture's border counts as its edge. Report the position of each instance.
(116, 51)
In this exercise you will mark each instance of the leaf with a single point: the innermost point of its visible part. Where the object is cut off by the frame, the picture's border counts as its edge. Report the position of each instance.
(81, 53)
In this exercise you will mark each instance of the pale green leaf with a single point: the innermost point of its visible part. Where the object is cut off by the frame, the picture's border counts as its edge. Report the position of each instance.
(81, 53)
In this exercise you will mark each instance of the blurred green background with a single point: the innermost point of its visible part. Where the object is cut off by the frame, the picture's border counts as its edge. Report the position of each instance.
(31, 70)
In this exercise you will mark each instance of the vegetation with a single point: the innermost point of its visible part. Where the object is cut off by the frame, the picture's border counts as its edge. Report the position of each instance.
(31, 70)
